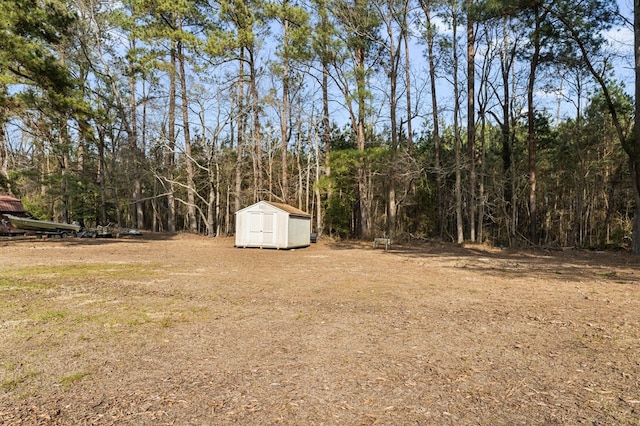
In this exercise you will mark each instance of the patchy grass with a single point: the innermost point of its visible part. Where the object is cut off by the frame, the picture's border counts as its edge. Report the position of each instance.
(51, 315)
(12, 384)
(49, 308)
(59, 312)
(71, 379)
(60, 274)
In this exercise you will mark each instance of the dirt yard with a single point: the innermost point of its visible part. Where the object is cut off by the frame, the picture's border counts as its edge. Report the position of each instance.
(186, 330)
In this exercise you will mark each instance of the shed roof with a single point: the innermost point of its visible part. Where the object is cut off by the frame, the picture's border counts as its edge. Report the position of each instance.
(10, 204)
(293, 211)
(289, 209)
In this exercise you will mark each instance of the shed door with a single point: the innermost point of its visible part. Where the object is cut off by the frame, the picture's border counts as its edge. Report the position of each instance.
(261, 228)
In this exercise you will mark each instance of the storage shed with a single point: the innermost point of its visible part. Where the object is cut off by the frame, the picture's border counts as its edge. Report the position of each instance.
(12, 206)
(272, 225)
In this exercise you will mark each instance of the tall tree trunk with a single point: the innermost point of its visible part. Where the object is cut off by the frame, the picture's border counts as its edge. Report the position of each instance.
(483, 101)
(64, 144)
(39, 153)
(456, 132)
(143, 149)
(392, 72)
(318, 197)
(133, 144)
(407, 70)
(242, 120)
(212, 203)
(257, 132)
(83, 138)
(506, 60)
(65, 165)
(363, 190)
(4, 155)
(101, 176)
(326, 136)
(214, 218)
(482, 172)
(531, 130)
(215, 199)
(213, 175)
(325, 59)
(191, 190)
(471, 119)
(4, 148)
(284, 119)
(171, 145)
(303, 190)
(440, 211)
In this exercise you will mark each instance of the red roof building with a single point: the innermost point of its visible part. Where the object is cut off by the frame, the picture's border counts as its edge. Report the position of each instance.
(11, 205)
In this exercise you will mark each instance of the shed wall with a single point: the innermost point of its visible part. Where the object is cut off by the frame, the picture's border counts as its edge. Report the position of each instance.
(299, 231)
(240, 227)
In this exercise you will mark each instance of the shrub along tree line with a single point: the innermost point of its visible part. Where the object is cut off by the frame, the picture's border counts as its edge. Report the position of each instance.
(465, 120)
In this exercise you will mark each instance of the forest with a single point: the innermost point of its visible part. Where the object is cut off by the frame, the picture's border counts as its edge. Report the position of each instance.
(507, 122)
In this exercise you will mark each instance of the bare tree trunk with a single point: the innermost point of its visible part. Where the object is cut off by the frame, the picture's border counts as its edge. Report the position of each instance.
(531, 131)
(101, 175)
(212, 202)
(269, 169)
(407, 70)
(4, 154)
(64, 172)
(318, 198)
(215, 194)
(325, 58)
(143, 150)
(83, 136)
(456, 132)
(392, 72)
(301, 175)
(471, 120)
(506, 60)
(440, 213)
(284, 119)
(191, 190)
(307, 189)
(4, 148)
(257, 132)
(326, 135)
(363, 190)
(64, 144)
(241, 131)
(133, 144)
(227, 213)
(481, 180)
(216, 200)
(483, 101)
(171, 145)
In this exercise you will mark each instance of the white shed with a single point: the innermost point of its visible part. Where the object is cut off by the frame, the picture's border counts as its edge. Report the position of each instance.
(272, 225)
